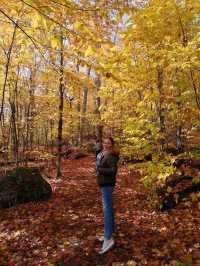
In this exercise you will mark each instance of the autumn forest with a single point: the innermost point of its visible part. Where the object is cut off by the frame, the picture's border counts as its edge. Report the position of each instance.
(72, 74)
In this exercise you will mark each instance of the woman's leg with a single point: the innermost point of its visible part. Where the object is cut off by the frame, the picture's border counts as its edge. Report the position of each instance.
(108, 212)
(113, 213)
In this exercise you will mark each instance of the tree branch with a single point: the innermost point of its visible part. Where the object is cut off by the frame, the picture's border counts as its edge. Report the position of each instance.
(31, 39)
(49, 18)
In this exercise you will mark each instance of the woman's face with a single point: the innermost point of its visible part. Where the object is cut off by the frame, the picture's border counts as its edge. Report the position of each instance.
(107, 144)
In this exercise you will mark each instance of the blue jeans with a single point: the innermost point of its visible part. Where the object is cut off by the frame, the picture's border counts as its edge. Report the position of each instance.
(108, 212)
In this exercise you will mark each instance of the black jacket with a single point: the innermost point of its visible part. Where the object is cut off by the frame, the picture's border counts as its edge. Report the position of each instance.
(107, 168)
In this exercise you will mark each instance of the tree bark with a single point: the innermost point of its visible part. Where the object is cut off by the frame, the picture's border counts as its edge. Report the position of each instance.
(161, 115)
(60, 113)
(7, 70)
(99, 127)
(84, 110)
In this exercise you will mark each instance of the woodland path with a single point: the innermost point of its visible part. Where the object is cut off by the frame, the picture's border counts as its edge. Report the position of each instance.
(64, 230)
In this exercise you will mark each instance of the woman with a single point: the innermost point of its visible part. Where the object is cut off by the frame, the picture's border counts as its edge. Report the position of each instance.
(106, 163)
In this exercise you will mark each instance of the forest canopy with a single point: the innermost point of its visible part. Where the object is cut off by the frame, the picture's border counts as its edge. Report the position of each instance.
(71, 70)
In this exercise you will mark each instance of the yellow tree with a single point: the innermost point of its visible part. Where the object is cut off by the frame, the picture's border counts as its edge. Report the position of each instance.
(156, 66)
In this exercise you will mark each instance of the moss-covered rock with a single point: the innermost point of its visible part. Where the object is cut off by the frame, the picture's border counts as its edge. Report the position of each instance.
(23, 185)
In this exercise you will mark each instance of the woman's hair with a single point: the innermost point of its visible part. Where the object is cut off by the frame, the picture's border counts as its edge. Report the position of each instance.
(111, 140)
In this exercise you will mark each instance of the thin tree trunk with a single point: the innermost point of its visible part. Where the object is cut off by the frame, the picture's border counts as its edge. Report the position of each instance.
(179, 140)
(161, 114)
(84, 110)
(78, 135)
(7, 70)
(51, 133)
(179, 144)
(78, 108)
(32, 108)
(112, 128)
(99, 127)
(197, 96)
(60, 115)
(46, 131)
(17, 128)
(14, 133)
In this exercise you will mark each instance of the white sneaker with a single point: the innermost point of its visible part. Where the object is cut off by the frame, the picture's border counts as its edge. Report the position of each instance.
(107, 245)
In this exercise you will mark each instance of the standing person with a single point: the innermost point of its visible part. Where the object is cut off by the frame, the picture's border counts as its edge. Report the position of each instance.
(106, 163)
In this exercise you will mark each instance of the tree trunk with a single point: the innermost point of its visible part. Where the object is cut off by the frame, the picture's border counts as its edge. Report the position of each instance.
(14, 133)
(99, 127)
(60, 114)
(84, 110)
(161, 115)
(7, 69)
(78, 108)
(51, 133)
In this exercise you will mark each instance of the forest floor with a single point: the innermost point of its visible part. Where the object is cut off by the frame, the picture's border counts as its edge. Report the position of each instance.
(64, 230)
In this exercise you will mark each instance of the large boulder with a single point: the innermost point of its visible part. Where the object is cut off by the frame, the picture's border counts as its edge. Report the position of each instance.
(23, 185)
